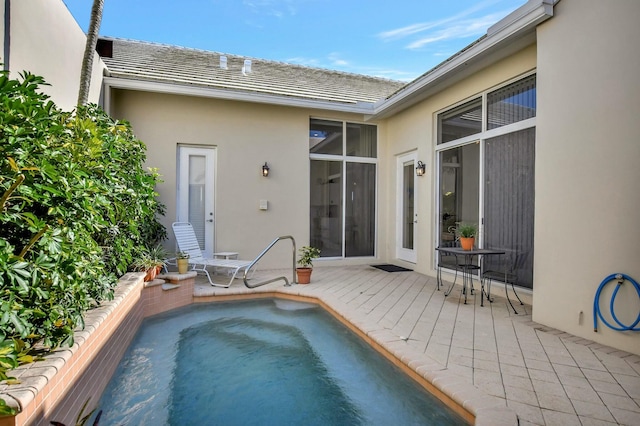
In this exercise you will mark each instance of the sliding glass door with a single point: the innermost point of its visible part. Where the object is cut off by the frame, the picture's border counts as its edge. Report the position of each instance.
(486, 159)
(343, 188)
(509, 199)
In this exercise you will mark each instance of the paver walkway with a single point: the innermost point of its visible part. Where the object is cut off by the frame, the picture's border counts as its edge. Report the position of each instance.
(546, 376)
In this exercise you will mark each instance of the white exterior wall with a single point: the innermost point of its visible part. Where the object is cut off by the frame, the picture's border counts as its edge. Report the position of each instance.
(2, 18)
(245, 135)
(47, 41)
(587, 171)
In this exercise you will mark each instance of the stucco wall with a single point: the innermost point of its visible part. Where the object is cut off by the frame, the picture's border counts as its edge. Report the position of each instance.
(415, 129)
(47, 41)
(587, 173)
(2, 19)
(245, 135)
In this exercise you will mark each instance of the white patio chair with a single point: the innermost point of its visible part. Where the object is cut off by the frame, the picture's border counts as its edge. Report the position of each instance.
(187, 243)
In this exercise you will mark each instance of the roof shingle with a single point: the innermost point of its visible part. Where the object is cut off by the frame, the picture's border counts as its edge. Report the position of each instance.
(136, 60)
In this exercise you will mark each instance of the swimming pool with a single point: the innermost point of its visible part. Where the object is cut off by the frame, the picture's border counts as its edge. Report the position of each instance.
(260, 362)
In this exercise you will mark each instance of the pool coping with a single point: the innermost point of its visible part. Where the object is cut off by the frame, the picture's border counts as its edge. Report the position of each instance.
(30, 398)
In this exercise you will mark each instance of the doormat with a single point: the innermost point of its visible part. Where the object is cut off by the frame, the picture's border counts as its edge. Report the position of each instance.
(391, 268)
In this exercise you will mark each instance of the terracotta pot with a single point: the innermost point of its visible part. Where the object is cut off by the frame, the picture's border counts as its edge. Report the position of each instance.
(467, 243)
(151, 273)
(304, 275)
(183, 266)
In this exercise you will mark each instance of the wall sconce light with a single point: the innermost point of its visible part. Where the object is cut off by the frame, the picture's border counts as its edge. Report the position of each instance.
(420, 168)
(265, 170)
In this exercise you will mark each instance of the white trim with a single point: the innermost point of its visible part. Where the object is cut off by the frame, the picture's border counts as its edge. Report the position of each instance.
(235, 95)
(482, 136)
(481, 192)
(408, 255)
(344, 158)
(182, 178)
(506, 32)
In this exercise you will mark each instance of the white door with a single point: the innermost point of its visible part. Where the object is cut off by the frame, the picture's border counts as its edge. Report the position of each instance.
(406, 205)
(196, 193)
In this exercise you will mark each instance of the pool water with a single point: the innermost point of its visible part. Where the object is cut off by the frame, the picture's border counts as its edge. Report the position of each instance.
(265, 362)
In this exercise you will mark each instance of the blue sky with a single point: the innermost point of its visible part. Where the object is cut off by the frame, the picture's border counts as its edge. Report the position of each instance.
(398, 39)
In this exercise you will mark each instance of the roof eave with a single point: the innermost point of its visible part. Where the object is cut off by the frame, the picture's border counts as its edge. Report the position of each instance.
(365, 108)
(512, 33)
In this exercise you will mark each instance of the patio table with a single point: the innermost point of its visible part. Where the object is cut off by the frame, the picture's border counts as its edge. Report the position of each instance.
(468, 267)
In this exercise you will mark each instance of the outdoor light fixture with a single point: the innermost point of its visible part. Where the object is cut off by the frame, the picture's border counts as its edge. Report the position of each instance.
(420, 168)
(265, 170)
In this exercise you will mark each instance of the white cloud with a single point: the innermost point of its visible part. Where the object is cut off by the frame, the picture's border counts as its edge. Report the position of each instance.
(332, 61)
(275, 8)
(337, 61)
(462, 29)
(462, 25)
(406, 31)
(301, 60)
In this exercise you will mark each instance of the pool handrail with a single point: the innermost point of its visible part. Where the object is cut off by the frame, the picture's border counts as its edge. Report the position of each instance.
(246, 271)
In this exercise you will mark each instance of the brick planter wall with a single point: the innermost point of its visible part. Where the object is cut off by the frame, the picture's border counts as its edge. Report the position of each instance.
(57, 387)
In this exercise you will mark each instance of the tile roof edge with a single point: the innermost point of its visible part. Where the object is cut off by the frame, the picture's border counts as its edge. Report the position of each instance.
(252, 58)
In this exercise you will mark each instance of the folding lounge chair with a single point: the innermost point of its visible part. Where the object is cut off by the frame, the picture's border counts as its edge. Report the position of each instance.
(187, 243)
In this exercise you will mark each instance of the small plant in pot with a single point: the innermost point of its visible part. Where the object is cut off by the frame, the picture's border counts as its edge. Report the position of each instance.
(467, 234)
(151, 261)
(182, 259)
(307, 255)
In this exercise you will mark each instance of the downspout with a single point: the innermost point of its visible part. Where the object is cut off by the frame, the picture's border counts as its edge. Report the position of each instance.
(106, 93)
(7, 35)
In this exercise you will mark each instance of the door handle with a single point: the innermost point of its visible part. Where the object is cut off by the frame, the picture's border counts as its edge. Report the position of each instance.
(209, 220)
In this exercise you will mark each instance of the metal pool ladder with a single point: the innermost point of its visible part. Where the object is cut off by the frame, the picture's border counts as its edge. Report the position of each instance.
(293, 265)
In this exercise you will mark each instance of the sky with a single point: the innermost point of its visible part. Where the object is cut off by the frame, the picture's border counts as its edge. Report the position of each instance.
(395, 39)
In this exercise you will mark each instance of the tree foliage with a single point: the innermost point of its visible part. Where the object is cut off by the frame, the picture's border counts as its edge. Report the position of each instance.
(76, 208)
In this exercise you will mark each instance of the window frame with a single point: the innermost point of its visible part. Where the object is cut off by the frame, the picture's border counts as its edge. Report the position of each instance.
(475, 138)
(344, 159)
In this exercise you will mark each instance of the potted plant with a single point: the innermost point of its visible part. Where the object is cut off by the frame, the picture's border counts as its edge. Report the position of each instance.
(467, 234)
(151, 261)
(182, 259)
(307, 254)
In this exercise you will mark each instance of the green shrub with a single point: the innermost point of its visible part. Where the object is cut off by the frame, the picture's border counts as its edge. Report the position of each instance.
(76, 208)
(306, 256)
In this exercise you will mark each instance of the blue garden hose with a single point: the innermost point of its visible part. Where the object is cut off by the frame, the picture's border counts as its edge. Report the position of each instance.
(620, 278)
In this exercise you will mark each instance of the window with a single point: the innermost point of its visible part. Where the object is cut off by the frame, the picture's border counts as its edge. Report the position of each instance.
(486, 171)
(343, 187)
(512, 103)
(461, 121)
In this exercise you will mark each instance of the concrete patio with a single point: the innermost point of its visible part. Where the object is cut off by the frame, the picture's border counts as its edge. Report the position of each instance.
(487, 359)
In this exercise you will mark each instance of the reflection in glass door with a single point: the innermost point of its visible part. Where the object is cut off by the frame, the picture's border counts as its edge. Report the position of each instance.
(360, 210)
(326, 207)
(406, 210)
(195, 193)
(459, 190)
